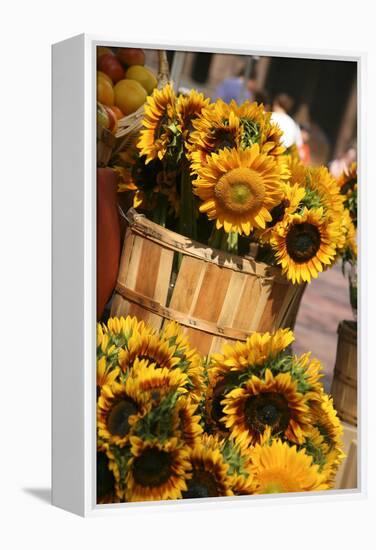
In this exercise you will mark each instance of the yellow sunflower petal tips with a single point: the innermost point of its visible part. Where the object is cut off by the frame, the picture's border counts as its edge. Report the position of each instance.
(280, 468)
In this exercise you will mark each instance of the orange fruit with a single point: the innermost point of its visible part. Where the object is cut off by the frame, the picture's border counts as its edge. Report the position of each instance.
(118, 112)
(105, 76)
(105, 92)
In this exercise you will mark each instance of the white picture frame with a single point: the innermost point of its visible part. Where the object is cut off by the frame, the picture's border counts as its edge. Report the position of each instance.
(74, 279)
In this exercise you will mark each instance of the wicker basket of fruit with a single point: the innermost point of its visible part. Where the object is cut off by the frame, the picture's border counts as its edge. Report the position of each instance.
(123, 85)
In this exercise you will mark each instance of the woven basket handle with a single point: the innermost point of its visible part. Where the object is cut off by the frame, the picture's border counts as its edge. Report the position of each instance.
(163, 74)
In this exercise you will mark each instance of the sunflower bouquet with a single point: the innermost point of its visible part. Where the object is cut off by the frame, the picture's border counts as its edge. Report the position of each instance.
(254, 419)
(218, 173)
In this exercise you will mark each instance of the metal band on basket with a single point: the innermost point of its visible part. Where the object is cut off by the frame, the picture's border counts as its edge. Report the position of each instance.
(182, 319)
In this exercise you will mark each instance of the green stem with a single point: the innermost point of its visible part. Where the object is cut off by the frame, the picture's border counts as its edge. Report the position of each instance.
(159, 214)
(187, 219)
(232, 242)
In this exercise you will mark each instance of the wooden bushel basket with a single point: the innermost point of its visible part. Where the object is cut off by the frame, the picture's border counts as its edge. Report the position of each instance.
(344, 385)
(214, 295)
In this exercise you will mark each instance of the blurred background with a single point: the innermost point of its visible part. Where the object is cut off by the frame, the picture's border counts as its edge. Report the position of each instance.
(320, 97)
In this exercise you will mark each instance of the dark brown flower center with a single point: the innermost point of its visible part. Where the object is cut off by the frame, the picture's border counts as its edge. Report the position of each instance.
(303, 242)
(152, 468)
(267, 409)
(277, 213)
(118, 417)
(201, 485)
(222, 387)
(223, 139)
(145, 175)
(105, 478)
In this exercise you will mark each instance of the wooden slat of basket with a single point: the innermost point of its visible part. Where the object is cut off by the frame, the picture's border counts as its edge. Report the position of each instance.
(127, 272)
(210, 299)
(250, 293)
(230, 305)
(187, 285)
(274, 306)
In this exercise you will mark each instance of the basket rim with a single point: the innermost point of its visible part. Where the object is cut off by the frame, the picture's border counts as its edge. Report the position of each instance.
(140, 225)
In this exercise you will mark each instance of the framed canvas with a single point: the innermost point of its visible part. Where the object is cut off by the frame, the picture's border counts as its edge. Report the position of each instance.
(205, 275)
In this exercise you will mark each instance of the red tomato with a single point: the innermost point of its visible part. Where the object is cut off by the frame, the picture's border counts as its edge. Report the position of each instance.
(131, 56)
(110, 65)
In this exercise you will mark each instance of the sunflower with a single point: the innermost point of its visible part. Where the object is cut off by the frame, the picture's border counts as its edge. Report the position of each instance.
(298, 171)
(190, 360)
(351, 241)
(187, 421)
(108, 475)
(325, 457)
(325, 419)
(188, 108)
(217, 128)
(119, 407)
(348, 180)
(345, 227)
(281, 468)
(145, 344)
(242, 485)
(257, 127)
(273, 401)
(153, 382)
(252, 353)
(239, 188)
(304, 244)
(158, 113)
(105, 346)
(291, 199)
(219, 385)
(208, 473)
(105, 375)
(157, 471)
(308, 372)
(322, 189)
(116, 333)
(236, 454)
(348, 183)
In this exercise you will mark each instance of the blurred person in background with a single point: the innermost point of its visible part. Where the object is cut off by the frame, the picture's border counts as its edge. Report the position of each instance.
(305, 149)
(281, 107)
(343, 162)
(263, 96)
(235, 88)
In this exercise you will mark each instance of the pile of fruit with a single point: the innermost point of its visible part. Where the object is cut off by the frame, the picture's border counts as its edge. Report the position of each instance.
(123, 83)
